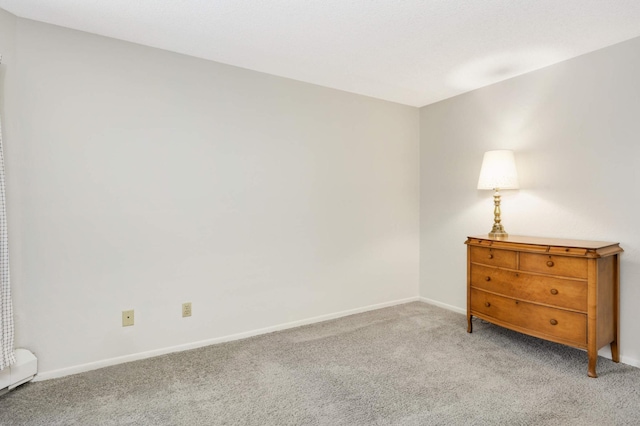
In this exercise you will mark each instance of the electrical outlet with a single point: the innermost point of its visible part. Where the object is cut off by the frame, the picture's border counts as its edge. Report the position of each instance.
(127, 318)
(186, 309)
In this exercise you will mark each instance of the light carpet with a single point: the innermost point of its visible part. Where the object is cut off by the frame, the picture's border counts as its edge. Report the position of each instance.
(412, 364)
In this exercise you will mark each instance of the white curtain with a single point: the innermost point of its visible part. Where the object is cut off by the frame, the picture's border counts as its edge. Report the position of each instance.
(7, 357)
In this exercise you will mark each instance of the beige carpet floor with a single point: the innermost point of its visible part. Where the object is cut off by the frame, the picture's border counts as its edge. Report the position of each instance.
(412, 364)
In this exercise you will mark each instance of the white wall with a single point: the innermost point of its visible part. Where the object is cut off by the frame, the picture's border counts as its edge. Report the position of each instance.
(144, 179)
(7, 50)
(575, 128)
(7, 47)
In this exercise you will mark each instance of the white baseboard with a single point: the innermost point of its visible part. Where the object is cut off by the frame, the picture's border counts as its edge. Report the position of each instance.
(443, 305)
(603, 352)
(629, 361)
(53, 374)
(606, 353)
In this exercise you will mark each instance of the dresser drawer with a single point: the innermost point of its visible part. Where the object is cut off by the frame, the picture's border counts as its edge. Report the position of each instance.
(554, 265)
(568, 250)
(563, 293)
(489, 256)
(563, 325)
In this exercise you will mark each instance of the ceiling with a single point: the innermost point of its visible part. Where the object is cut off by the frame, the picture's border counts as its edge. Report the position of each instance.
(414, 52)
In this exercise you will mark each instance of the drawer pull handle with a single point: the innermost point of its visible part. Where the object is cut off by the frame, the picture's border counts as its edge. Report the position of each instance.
(553, 322)
(490, 256)
(487, 304)
(488, 279)
(554, 291)
(549, 263)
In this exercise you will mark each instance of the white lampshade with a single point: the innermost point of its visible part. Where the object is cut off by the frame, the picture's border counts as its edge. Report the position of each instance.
(498, 170)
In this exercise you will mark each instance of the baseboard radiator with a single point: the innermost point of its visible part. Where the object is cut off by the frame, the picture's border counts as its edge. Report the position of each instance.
(23, 370)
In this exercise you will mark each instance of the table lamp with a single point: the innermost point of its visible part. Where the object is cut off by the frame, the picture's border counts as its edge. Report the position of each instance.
(498, 172)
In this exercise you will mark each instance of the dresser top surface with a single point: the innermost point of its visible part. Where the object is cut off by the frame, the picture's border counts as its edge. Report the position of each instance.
(521, 239)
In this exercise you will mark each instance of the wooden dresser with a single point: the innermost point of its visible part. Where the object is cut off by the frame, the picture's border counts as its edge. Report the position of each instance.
(565, 291)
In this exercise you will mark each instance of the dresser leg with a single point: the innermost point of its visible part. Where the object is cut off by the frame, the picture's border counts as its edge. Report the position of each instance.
(593, 360)
(469, 325)
(615, 353)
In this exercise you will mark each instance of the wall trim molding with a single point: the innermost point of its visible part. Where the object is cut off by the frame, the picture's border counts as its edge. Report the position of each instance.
(627, 360)
(54, 374)
(443, 305)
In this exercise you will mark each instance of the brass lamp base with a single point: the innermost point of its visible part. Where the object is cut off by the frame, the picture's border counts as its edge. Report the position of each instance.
(498, 230)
